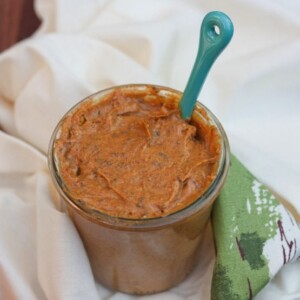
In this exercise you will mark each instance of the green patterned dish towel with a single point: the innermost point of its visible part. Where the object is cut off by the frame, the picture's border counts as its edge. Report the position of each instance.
(254, 236)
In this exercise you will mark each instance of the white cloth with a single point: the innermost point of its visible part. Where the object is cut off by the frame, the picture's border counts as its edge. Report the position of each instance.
(85, 46)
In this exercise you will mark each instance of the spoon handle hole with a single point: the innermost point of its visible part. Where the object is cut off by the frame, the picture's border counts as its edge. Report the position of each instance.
(216, 29)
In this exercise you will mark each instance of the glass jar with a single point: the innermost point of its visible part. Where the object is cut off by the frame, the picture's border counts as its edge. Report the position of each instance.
(143, 256)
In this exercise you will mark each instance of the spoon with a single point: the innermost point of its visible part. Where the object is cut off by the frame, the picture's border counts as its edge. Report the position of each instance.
(215, 34)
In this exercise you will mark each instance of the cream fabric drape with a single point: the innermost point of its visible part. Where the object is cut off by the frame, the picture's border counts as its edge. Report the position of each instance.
(85, 46)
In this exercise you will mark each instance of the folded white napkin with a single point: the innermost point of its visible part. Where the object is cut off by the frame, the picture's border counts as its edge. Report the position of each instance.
(85, 46)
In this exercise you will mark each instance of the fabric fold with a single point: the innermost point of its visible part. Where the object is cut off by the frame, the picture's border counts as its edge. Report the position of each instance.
(254, 234)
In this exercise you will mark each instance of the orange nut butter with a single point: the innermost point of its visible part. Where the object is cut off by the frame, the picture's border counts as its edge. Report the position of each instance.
(139, 183)
(131, 155)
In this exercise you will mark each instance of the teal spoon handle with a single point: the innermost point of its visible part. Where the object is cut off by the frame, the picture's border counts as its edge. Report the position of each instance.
(216, 32)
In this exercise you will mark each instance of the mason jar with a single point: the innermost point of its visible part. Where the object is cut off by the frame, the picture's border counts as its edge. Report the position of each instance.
(143, 256)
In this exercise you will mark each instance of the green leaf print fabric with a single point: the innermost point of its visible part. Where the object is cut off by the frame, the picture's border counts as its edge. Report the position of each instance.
(254, 236)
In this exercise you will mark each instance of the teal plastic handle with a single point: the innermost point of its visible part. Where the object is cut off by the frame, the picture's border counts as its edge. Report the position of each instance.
(215, 34)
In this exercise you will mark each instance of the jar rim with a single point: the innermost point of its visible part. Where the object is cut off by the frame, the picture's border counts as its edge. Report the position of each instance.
(129, 223)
